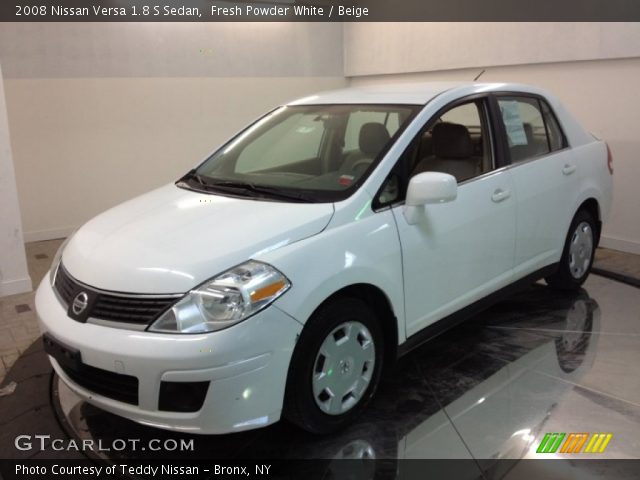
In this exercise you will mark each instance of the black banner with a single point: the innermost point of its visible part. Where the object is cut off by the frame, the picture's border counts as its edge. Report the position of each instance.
(318, 10)
(84, 469)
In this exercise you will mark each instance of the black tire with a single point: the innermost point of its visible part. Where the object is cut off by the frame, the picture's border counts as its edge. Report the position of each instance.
(300, 405)
(563, 278)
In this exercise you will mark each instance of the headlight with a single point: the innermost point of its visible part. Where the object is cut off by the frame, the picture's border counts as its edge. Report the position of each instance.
(224, 300)
(57, 257)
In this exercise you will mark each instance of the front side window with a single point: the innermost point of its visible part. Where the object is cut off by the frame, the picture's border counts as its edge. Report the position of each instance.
(314, 153)
(532, 129)
(457, 143)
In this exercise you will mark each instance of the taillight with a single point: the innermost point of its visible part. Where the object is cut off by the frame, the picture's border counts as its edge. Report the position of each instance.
(609, 159)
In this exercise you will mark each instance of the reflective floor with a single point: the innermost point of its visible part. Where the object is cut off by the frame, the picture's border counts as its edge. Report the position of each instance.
(539, 362)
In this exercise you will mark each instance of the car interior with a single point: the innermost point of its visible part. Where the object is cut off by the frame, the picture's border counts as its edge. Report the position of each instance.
(371, 140)
(456, 144)
(536, 144)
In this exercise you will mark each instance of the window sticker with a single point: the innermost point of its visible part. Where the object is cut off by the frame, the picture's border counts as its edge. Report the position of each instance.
(345, 180)
(513, 123)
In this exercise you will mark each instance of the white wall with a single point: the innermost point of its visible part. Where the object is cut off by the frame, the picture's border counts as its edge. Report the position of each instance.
(100, 113)
(14, 277)
(391, 48)
(602, 92)
(84, 145)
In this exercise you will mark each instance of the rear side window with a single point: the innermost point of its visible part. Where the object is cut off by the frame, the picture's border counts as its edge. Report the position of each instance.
(557, 140)
(532, 129)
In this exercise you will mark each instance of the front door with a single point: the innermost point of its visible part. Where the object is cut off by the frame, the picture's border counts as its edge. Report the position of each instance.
(460, 251)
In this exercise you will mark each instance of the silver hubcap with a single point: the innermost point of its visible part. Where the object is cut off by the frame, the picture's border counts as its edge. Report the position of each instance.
(580, 250)
(343, 368)
(575, 325)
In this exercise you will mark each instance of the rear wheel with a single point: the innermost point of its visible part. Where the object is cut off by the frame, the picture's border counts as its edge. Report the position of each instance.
(578, 253)
(336, 366)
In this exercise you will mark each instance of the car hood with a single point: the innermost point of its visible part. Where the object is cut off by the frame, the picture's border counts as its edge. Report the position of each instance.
(170, 240)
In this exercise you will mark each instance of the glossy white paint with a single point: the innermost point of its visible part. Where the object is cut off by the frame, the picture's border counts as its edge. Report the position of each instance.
(426, 188)
(502, 226)
(170, 240)
(411, 94)
(431, 187)
(457, 252)
(244, 364)
(537, 184)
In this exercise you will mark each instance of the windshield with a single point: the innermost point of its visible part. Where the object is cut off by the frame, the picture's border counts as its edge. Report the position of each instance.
(314, 153)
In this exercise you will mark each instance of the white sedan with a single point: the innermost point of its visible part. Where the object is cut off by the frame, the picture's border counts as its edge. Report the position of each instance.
(328, 238)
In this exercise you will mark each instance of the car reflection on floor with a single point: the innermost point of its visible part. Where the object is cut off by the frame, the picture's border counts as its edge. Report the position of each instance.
(484, 390)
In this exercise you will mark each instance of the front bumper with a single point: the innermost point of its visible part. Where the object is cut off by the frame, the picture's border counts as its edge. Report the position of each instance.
(246, 366)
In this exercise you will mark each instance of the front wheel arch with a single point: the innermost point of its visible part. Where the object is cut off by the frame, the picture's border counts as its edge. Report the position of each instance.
(380, 303)
(300, 405)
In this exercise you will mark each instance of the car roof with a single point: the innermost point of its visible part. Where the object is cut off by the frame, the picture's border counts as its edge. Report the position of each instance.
(406, 93)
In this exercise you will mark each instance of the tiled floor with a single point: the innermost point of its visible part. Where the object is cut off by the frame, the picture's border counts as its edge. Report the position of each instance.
(18, 325)
(618, 262)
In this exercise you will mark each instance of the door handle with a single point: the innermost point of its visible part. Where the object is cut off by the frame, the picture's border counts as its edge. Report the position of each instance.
(568, 169)
(499, 195)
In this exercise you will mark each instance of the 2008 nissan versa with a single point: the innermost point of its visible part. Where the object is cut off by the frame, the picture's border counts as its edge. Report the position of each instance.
(331, 236)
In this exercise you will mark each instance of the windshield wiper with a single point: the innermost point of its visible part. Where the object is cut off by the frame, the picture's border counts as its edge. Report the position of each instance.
(184, 181)
(263, 190)
(199, 179)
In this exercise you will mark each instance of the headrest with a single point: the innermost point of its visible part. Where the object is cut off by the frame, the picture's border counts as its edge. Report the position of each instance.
(373, 137)
(528, 131)
(426, 145)
(451, 140)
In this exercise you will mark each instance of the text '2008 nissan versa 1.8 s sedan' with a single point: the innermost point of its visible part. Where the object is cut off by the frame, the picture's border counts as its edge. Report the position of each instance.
(326, 239)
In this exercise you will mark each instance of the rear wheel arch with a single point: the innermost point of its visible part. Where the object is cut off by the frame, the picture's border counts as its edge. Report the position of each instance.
(592, 206)
(578, 251)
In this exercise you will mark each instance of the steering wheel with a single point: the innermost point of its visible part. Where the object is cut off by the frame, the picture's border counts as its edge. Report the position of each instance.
(361, 165)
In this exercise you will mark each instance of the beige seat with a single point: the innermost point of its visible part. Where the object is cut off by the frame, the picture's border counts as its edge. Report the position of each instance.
(452, 153)
(535, 146)
(372, 139)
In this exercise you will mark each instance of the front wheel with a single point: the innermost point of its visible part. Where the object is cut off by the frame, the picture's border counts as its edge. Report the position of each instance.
(578, 253)
(336, 366)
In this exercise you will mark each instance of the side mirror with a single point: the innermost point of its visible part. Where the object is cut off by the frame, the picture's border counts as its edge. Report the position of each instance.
(426, 188)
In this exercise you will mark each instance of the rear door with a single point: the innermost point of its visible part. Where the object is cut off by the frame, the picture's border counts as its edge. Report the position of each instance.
(545, 177)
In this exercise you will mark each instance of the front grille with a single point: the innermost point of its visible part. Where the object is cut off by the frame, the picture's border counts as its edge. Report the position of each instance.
(65, 285)
(131, 310)
(138, 309)
(123, 388)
